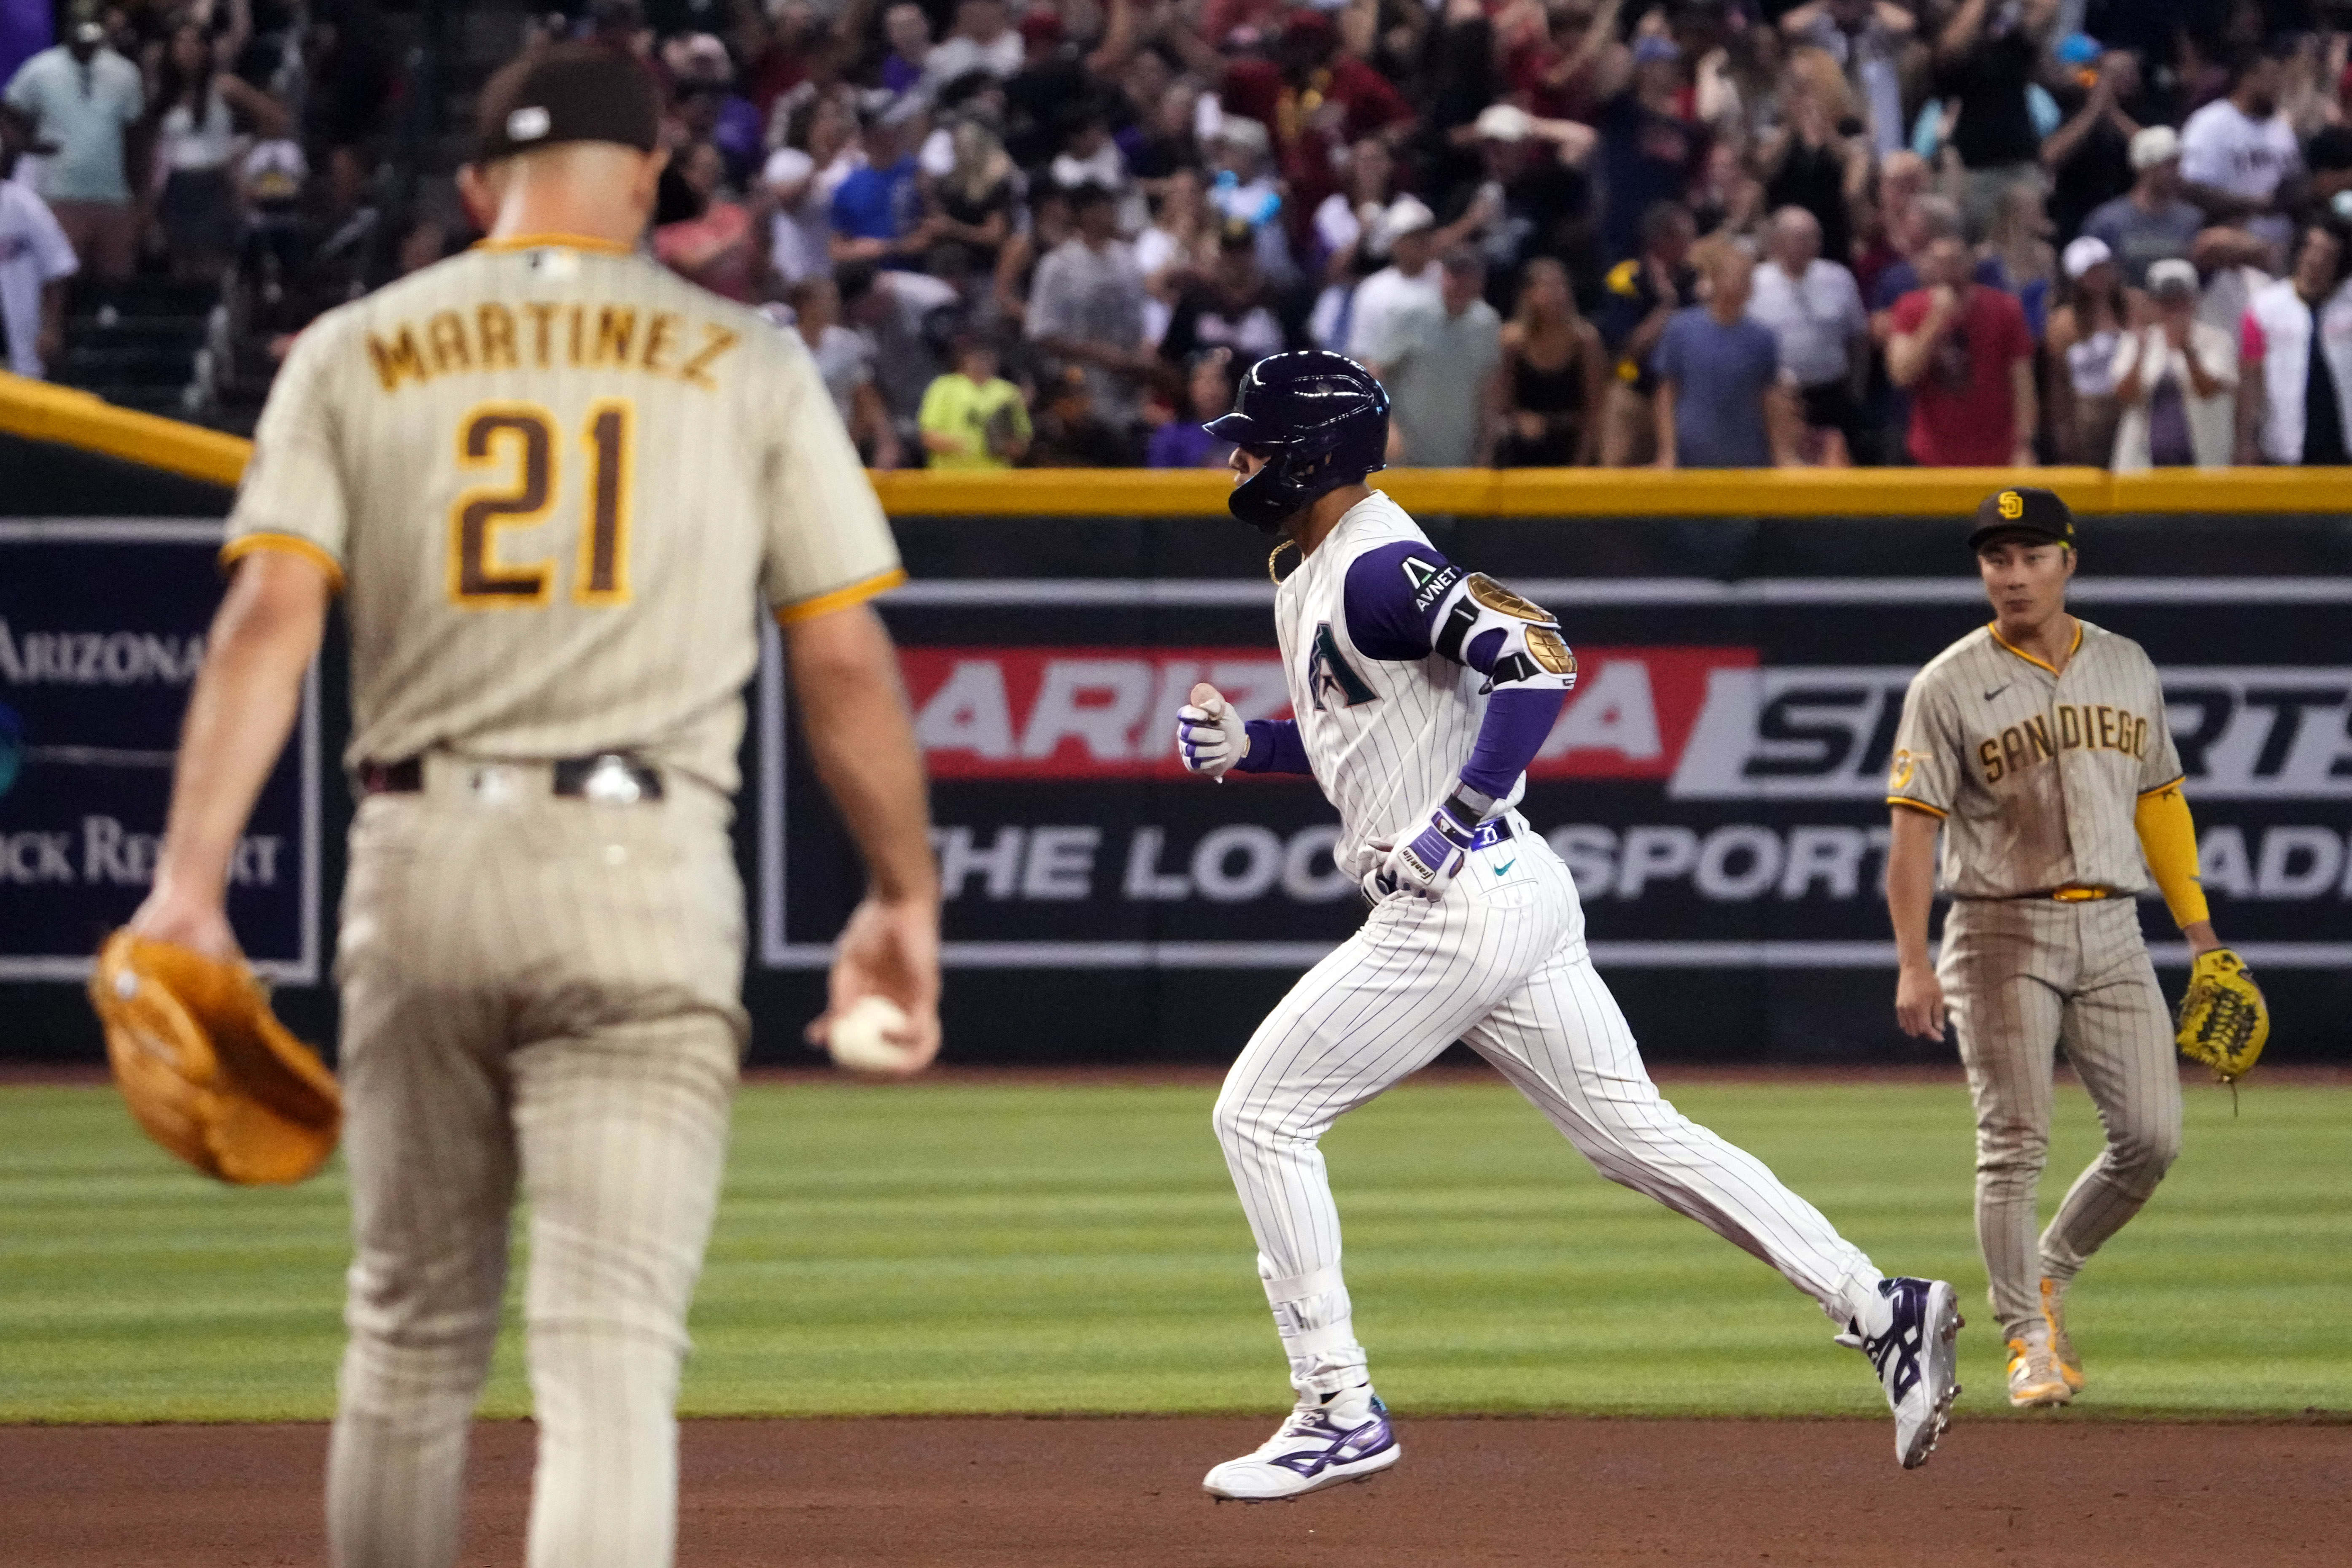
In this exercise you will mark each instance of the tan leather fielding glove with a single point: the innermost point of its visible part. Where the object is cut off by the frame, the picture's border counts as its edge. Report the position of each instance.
(207, 1069)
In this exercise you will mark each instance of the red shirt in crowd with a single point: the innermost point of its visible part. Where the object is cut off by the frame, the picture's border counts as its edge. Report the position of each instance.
(1964, 410)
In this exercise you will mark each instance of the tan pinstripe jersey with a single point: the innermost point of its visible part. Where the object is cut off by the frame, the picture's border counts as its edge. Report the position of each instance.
(559, 483)
(2035, 772)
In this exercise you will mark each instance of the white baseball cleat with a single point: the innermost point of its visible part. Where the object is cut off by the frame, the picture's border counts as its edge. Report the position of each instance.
(1325, 1443)
(1918, 1362)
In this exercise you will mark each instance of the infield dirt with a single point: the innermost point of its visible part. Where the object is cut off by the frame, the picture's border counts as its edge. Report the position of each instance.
(1044, 1493)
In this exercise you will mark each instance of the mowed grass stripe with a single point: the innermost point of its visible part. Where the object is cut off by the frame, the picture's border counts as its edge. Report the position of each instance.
(1077, 1248)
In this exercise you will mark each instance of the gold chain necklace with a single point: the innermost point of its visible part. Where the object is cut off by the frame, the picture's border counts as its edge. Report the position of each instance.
(1272, 569)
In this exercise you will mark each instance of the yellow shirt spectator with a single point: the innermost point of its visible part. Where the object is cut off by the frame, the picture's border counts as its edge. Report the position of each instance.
(972, 418)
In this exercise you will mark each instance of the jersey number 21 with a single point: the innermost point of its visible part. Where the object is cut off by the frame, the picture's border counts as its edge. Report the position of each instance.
(514, 445)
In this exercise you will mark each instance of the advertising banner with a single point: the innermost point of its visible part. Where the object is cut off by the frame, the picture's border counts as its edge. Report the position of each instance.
(102, 627)
(1715, 783)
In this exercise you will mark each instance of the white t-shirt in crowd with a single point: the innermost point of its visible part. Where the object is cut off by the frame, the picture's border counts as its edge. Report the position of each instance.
(34, 252)
(800, 237)
(2222, 147)
(1392, 312)
(1816, 318)
(959, 56)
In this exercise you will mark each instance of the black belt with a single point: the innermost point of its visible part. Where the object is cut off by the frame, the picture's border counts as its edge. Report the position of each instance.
(607, 776)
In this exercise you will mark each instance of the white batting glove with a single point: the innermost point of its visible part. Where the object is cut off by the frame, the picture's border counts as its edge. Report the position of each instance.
(1209, 735)
(1427, 863)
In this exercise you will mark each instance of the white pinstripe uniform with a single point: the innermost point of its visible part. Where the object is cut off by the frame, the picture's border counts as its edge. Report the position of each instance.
(2035, 775)
(562, 483)
(1499, 962)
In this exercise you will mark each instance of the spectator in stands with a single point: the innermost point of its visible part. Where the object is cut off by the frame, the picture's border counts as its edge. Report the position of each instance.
(2085, 329)
(36, 259)
(982, 40)
(2088, 156)
(1641, 296)
(903, 316)
(909, 33)
(1233, 306)
(1389, 305)
(1175, 248)
(973, 418)
(82, 99)
(2296, 361)
(2238, 154)
(821, 149)
(1651, 150)
(1813, 310)
(1181, 443)
(1961, 348)
(969, 209)
(876, 209)
(1050, 224)
(1820, 160)
(1984, 62)
(719, 247)
(2016, 256)
(2152, 223)
(1555, 377)
(1447, 395)
(197, 103)
(846, 359)
(1086, 309)
(1884, 220)
(1244, 187)
(2176, 382)
(1868, 39)
(1721, 400)
(1531, 196)
(1350, 238)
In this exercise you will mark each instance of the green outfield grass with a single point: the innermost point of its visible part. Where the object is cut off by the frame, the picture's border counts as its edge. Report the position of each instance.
(965, 1247)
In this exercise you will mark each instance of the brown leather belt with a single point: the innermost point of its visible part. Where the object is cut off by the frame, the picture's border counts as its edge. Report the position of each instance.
(608, 777)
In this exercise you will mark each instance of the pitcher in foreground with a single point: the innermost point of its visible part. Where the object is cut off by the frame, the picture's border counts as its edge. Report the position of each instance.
(1422, 693)
(560, 487)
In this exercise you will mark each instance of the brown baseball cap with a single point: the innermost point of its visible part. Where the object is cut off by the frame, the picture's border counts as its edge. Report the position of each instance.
(573, 92)
(2022, 512)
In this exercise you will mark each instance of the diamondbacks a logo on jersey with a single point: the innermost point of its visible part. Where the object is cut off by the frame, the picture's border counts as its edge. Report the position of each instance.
(1332, 680)
(1429, 580)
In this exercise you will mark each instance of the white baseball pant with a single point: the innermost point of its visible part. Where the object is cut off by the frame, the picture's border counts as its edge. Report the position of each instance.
(1500, 963)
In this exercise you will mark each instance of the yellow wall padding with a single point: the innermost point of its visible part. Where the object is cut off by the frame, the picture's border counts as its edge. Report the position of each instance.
(43, 412)
(39, 412)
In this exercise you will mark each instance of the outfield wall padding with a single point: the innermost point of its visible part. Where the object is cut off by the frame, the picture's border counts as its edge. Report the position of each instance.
(1715, 783)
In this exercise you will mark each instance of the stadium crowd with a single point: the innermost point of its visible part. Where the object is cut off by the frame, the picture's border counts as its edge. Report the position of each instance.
(1703, 233)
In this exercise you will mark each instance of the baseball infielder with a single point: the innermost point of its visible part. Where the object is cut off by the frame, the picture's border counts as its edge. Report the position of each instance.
(558, 485)
(2038, 744)
(1422, 693)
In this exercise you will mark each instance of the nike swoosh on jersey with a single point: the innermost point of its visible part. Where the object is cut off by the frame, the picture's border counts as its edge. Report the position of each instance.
(1998, 691)
(1506, 865)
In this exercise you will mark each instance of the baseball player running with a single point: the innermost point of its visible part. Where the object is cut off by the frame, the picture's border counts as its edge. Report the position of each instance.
(557, 485)
(2038, 744)
(1422, 692)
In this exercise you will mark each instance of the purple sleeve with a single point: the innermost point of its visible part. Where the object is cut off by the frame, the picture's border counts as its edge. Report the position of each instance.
(1515, 726)
(1274, 747)
(1393, 596)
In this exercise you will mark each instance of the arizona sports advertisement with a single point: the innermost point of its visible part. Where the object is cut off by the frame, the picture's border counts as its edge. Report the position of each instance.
(1715, 781)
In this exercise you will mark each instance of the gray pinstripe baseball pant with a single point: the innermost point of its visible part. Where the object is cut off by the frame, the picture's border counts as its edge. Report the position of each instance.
(1500, 963)
(2020, 976)
(540, 993)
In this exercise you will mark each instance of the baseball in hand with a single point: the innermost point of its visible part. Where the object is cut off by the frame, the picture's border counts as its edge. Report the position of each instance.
(857, 1044)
